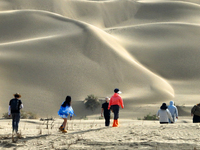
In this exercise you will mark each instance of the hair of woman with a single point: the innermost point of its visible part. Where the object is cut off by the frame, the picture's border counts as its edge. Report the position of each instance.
(67, 102)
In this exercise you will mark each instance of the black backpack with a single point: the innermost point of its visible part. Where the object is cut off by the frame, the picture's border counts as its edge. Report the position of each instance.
(14, 104)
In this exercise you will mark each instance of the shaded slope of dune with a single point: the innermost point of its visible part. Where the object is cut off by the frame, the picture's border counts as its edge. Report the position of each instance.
(172, 51)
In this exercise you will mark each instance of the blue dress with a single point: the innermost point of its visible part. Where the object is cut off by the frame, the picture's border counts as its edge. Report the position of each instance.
(65, 111)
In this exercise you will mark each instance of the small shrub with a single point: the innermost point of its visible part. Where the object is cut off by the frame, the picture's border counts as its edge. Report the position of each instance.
(6, 116)
(92, 102)
(23, 115)
(32, 115)
(150, 117)
(84, 117)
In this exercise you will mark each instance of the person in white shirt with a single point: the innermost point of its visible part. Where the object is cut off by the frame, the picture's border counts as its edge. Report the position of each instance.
(164, 114)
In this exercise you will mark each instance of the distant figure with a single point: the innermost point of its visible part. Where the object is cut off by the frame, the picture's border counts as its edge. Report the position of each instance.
(15, 105)
(195, 112)
(105, 112)
(65, 110)
(164, 114)
(115, 102)
(173, 110)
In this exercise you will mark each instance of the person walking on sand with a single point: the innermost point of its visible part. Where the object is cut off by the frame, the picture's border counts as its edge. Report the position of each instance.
(65, 110)
(15, 105)
(105, 112)
(164, 114)
(173, 110)
(114, 104)
(195, 112)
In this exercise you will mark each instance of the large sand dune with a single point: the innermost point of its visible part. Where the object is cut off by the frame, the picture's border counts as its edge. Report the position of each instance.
(148, 49)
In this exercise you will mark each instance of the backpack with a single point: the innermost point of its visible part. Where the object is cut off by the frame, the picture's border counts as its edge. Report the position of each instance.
(14, 104)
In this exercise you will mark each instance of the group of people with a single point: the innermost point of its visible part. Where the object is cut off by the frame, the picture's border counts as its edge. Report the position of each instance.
(112, 104)
(166, 114)
(169, 114)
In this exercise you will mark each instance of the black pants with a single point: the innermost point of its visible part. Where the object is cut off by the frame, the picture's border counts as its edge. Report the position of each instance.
(196, 119)
(163, 122)
(115, 109)
(107, 120)
(15, 121)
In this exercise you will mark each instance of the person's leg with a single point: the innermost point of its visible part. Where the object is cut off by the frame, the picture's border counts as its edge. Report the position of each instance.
(116, 115)
(117, 112)
(114, 112)
(64, 125)
(13, 121)
(17, 121)
(107, 120)
(65, 122)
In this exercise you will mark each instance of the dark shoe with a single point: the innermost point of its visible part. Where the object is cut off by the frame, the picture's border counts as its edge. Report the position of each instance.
(61, 128)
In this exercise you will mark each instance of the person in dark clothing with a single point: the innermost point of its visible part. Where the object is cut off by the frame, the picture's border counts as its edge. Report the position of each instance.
(105, 112)
(195, 112)
(15, 105)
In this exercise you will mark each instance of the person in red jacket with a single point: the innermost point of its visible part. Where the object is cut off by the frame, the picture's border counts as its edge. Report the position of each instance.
(114, 104)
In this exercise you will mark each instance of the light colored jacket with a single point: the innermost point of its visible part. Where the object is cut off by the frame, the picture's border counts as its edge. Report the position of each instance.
(164, 115)
(173, 109)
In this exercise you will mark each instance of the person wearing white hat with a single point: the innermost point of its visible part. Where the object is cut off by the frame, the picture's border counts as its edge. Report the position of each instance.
(105, 112)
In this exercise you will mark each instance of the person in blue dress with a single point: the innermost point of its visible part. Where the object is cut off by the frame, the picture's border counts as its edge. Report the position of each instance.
(65, 110)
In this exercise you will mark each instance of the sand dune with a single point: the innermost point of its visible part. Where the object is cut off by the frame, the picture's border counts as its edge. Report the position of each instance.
(148, 49)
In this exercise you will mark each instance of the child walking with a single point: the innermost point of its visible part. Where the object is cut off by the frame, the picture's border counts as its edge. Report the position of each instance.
(65, 110)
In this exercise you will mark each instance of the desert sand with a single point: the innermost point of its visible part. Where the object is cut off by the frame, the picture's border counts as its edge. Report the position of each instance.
(92, 134)
(149, 49)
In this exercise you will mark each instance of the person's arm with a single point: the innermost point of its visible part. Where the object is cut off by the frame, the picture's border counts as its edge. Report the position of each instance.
(71, 113)
(110, 103)
(176, 113)
(121, 103)
(21, 106)
(9, 110)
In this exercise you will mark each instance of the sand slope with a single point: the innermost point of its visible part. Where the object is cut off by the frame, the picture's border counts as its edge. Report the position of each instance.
(51, 49)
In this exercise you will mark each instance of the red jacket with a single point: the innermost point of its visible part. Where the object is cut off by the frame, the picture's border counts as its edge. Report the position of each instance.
(116, 100)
